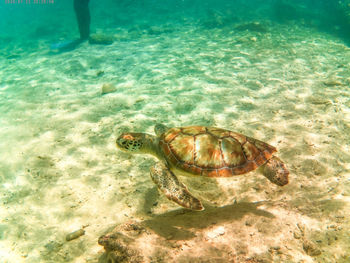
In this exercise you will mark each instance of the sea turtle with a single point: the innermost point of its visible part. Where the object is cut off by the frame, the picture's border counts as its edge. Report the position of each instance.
(202, 151)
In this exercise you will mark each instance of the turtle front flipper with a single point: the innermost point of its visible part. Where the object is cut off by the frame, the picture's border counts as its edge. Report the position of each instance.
(173, 189)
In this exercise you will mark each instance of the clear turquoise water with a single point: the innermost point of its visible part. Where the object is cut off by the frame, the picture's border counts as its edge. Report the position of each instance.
(274, 70)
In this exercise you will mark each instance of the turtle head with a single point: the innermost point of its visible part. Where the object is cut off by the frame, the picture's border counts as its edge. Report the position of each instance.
(276, 171)
(132, 142)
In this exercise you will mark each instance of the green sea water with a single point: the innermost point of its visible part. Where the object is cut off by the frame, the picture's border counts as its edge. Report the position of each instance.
(274, 70)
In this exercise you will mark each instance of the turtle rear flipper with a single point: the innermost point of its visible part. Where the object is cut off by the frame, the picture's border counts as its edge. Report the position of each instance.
(173, 189)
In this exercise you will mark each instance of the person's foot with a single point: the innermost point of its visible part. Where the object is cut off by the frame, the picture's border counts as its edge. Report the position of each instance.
(101, 39)
(67, 45)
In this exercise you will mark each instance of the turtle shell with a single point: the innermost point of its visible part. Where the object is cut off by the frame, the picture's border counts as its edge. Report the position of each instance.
(213, 152)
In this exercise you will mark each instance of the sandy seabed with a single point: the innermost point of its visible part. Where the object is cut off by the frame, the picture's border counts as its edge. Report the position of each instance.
(60, 170)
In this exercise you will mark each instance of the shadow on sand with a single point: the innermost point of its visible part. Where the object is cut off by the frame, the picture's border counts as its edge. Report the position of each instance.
(181, 224)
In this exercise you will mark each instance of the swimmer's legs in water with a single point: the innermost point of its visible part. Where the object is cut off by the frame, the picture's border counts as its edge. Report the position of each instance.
(81, 9)
(82, 12)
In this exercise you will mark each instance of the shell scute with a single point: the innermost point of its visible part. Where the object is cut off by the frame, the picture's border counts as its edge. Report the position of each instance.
(250, 151)
(165, 147)
(249, 166)
(209, 173)
(194, 130)
(225, 172)
(262, 146)
(171, 134)
(261, 159)
(218, 132)
(213, 152)
(232, 152)
(238, 137)
(182, 146)
(208, 151)
(192, 169)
